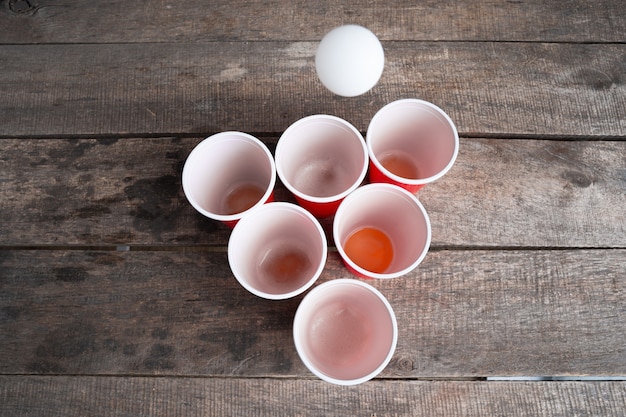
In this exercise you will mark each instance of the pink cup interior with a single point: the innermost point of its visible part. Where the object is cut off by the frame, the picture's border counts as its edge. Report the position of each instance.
(273, 232)
(418, 130)
(345, 331)
(221, 163)
(321, 158)
(395, 212)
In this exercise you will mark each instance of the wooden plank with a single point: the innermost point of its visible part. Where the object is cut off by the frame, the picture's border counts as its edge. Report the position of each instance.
(104, 396)
(60, 192)
(128, 192)
(531, 193)
(460, 314)
(159, 21)
(490, 88)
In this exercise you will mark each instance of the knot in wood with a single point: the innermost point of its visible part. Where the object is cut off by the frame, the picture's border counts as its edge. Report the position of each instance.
(405, 364)
(21, 6)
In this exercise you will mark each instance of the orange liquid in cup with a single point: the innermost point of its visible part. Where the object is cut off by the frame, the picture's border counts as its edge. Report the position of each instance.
(370, 248)
(284, 269)
(242, 198)
(400, 164)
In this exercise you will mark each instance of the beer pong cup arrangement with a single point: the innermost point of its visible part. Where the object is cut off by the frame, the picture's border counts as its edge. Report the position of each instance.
(321, 159)
(411, 143)
(228, 174)
(278, 252)
(344, 330)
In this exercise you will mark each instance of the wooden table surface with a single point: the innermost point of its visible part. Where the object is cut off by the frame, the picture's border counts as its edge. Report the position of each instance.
(116, 298)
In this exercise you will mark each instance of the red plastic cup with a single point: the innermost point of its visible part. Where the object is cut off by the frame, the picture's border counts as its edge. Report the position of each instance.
(321, 159)
(277, 251)
(411, 143)
(381, 231)
(345, 331)
(228, 174)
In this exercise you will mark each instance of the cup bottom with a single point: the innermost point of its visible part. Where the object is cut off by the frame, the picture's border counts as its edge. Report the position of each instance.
(241, 198)
(339, 338)
(400, 163)
(345, 331)
(370, 248)
(283, 268)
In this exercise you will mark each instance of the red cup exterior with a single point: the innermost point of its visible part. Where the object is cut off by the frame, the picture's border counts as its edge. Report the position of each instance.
(354, 271)
(319, 210)
(377, 176)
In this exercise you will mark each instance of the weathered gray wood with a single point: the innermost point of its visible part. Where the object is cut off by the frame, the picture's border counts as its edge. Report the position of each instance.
(531, 193)
(60, 192)
(164, 329)
(195, 88)
(27, 396)
(507, 193)
(159, 21)
(460, 314)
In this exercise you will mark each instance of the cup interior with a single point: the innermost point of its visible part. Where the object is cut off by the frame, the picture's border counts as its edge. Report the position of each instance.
(393, 211)
(321, 158)
(222, 164)
(345, 331)
(412, 132)
(277, 251)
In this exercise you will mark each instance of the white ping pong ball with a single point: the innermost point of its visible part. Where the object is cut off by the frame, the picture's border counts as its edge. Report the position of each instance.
(349, 60)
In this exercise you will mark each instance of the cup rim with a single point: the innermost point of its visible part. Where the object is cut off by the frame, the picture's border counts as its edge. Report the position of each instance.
(397, 178)
(195, 153)
(297, 331)
(249, 219)
(335, 197)
(405, 194)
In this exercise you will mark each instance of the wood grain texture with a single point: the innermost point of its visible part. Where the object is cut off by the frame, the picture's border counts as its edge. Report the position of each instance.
(62, 192)
(116, 298)
(500, 193)
(26, 396)
(531, 193)
(460, 314)
(494, 88)
(42, 21)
